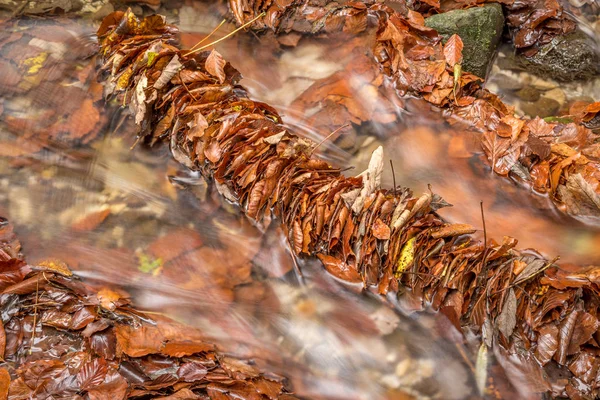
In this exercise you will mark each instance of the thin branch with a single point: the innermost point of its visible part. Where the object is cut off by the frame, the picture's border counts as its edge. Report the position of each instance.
(226, 36)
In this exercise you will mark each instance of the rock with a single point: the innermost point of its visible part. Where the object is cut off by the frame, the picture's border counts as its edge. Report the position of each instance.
(506, 82)
(103, 11)
(543, 107)
(528, 93)
(479, 28)
(566, 58)
(558, 95)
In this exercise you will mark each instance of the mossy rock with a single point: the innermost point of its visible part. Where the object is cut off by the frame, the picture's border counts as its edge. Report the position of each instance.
(480, 29)
(566, 58)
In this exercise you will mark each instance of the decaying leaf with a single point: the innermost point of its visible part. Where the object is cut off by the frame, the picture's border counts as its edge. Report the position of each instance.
(507, 320)
(215, 65)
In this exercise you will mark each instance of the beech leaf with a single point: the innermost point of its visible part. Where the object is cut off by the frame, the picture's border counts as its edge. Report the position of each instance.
(453, 50)
(507, 320)
(215, 65)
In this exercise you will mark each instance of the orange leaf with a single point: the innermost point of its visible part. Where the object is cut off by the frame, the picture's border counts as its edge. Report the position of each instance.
(339, 269)
(4, 383)
(453, 50)
(90, 221)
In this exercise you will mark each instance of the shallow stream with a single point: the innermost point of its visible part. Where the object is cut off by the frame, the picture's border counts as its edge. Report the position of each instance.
(78, 187)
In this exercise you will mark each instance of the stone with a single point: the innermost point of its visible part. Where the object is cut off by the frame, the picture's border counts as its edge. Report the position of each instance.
(566, 58)
(558, 95)
(480, 29)
(543, 107)
(528, 93)
(506, 82)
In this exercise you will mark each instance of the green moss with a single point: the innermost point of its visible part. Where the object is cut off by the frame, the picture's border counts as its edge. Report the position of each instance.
(479, 28)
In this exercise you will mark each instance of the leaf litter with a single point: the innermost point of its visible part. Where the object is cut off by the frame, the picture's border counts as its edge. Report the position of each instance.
(61, 338)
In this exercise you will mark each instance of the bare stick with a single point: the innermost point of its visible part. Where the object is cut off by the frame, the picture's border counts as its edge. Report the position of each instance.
(207, 36)
(225, 37)
(37, 291)
(328, 136)
(393, 175)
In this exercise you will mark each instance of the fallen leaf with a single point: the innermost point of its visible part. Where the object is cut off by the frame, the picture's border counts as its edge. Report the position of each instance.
(453, 50)
(507, 320)
(215, 65)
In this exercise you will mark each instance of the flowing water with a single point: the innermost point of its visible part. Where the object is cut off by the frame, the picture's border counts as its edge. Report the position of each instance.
(78, 187)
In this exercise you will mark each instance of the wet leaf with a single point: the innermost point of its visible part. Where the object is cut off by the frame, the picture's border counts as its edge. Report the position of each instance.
(453, 50)
(507, 320)
(169, 72)
(381, 230)
(339, 269)
(92, 374)
(547, 343)
(407, 256)
(215, 65)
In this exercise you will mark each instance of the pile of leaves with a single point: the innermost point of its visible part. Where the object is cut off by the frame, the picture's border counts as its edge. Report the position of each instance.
(60, 338)
(532, 23)
(558, 156)
(542, 317)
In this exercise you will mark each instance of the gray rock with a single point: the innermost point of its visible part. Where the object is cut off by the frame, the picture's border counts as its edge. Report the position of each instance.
(479, 28)
(566, 58)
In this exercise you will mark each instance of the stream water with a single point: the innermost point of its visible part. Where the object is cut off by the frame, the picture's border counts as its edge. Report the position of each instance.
(78, 188)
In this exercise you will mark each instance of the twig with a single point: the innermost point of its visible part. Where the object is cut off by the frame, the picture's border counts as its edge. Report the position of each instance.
(328, 136)
(393, 176)
(297, 269)
(209, 35)
(485, 248)
(37, 291)
(186, 88)
(226, 36)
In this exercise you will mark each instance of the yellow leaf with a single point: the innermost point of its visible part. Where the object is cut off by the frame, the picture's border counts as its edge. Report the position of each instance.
(457, 75)
(34, 64)
(123, 81)
(407, 256)
(55, 266)
(151, 56)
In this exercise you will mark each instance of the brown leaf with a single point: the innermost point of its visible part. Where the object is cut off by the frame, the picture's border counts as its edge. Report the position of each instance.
(182, 348)
(2, 341)
(381, 230)
(581, 196)
(547, 343)
(90, 221)
(138, 342)
(507, 320)
(452, 230)
(92, 373)
(114, 387)
(453, 50)
(564, 337)
(215, 65)
(339, 269)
